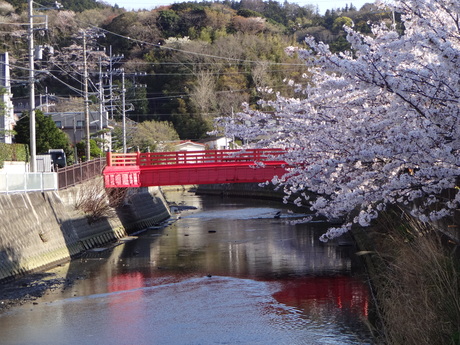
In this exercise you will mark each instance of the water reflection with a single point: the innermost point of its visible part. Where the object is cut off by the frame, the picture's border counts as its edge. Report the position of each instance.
(227, 272)
(251, 246)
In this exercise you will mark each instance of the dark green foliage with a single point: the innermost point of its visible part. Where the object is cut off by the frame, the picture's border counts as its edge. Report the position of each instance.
(94, 150)
(275, 11)
(340, 45)
(194, 18)
(48, 136)
(244, 12)
(168, 22)
(136, 95)
(121, 25)
(13, 152)
(185, 6)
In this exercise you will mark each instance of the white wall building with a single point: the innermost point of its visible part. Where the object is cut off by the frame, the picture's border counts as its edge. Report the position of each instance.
(218, 143)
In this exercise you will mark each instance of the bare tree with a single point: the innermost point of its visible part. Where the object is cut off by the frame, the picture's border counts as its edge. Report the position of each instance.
(203, 95)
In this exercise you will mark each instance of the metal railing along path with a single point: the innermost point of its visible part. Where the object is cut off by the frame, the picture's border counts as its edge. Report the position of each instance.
(74, 174)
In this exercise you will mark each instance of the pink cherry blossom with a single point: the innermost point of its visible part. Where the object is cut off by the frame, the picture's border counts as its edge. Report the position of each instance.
(374, 127)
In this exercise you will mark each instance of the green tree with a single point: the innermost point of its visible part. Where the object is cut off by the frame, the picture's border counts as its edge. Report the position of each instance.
(168, 22)
(339, 22)
(137, 96)
(340, 44)
(154, 136)
(94, 149)
(3, 131)
(47, 136)
(189, 124)
(122, 25)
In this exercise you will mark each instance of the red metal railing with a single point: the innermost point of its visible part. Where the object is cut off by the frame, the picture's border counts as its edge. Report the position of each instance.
(122, 159)
(192, 167)
(192, 157)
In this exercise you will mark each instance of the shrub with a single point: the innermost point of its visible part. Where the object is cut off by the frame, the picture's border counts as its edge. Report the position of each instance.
(13, 152)
(95, 202)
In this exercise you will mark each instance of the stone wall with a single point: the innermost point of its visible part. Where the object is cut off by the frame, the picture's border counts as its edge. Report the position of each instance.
(39, 230)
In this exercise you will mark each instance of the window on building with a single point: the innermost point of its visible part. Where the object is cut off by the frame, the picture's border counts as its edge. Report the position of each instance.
(80, 123)
(58, 124)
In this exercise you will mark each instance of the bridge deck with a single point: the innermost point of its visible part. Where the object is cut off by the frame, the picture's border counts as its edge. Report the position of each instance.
(192, 167)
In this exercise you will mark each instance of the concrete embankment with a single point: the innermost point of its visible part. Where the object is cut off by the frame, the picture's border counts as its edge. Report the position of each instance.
(251, 190)
(39, 230)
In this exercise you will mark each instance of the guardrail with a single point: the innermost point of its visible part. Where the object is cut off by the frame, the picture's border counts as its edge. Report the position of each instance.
(28, 182)
(47, 181)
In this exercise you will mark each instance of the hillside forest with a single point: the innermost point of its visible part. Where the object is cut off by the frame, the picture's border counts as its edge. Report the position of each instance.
(183, 64)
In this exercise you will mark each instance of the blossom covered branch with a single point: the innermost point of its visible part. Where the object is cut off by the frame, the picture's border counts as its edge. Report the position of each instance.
(374, 127)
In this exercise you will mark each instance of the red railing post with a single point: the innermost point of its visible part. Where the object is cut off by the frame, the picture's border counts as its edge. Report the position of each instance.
(109, 159)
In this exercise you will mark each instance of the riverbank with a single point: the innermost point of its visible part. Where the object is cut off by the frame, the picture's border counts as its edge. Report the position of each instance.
(40, 230)
(414, 272)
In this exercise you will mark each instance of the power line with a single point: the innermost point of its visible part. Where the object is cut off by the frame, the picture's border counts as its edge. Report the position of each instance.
(159, 46)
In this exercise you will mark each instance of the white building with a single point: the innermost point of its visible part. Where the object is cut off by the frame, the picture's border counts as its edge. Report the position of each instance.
(218, 143)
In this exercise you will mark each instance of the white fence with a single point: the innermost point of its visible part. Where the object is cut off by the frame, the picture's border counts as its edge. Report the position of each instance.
(28, 182)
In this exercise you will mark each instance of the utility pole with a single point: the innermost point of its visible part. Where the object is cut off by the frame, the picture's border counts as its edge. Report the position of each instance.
(123, 110)
(85, 77)
(110, 82)
(33, 147)
(101, 104)
(33, 137)
(113, 59)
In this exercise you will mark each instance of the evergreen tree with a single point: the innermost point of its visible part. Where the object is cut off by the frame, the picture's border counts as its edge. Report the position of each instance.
(48, 136)
(94, 150)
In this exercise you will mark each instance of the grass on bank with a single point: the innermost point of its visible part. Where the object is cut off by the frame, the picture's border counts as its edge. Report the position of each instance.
(415, 278)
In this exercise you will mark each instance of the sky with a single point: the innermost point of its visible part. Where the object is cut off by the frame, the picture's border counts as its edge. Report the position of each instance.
(323, 5)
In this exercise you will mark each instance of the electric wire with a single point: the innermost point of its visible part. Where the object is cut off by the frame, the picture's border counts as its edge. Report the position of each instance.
(227, 59)
(157, 45)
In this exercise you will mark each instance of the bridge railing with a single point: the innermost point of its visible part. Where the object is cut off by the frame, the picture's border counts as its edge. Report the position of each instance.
(191, 157)
(122, 159)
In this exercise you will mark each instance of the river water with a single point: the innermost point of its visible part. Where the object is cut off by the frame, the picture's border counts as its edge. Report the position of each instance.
(227, 272)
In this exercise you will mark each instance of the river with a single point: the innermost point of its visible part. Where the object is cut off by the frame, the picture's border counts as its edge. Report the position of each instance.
(223, 271)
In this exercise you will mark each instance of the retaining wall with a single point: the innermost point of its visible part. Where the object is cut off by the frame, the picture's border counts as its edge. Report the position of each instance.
(39, 230)
(251, 190)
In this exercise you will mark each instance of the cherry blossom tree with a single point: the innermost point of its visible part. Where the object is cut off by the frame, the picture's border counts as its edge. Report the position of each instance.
(375, 126)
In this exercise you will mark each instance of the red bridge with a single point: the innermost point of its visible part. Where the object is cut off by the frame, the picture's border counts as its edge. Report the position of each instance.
(192, 167)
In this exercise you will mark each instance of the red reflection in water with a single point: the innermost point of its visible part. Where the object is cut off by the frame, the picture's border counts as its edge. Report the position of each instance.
(126, 282)
(311, 293)
(123, 308)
